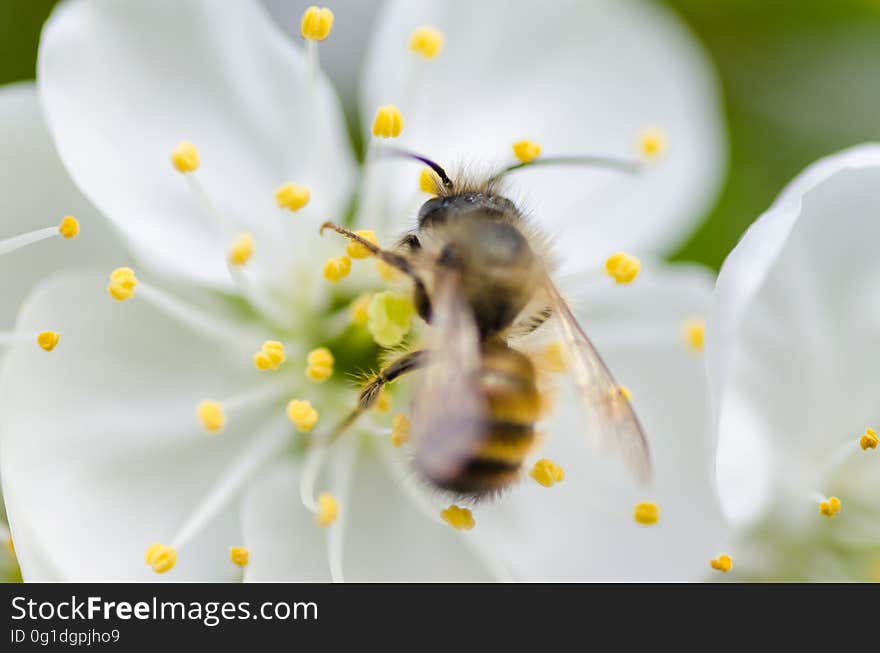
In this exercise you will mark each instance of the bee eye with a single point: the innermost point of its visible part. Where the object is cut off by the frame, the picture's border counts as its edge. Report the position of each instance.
(433, 211)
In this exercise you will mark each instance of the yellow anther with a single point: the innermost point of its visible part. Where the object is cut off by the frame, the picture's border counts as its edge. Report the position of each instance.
(358, 309)
(292, 196)
(389, 315)
(400, 426)
(47, 340)
(526, 151)
(185, 157)
(68, 227)
(547, 473)
(625, 392)
(622, 267)
(426, 42)
(336, 269)
(303, 416)
(552, 357)
(652, 143)
(356, 250)
(319, 364)
(316, 23)
(722, 563)
(160, 557)
(646, 513)
(211, 415)
(460, 519)
(383, 402)
(239, 555)
(242, 249)
(122, 284)
(270, 356)
(869, 440)
(428, 181)
(830, 507)
(387, 272)
(388, 122)
(328, 509)
(693, 331)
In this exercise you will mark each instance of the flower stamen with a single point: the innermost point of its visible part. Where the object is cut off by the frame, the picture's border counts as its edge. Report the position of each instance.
(160, 557)
(427, 42)
(526, 151)
(270, 357)
(319, 364)
(693, 332)
(242, 249)
(623, 268)
(869, 440)
(388, 122)
(461, 519)
(292, 196)
(239, 555)
(301, 413)
(400, 430)
(68, 228)
(122, 284)
(722, 563)
(651, 143)
(830, 507)
(646, 513)
(547, 473)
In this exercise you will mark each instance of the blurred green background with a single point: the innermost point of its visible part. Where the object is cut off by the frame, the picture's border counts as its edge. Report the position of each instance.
(800, 79)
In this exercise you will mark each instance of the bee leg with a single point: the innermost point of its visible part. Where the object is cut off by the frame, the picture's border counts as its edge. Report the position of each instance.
(393, 259)
(371, 391)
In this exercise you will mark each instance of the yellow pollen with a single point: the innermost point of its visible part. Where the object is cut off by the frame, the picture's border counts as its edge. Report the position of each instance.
(552, 357)
(211, 415)
(547, 473)
(10, 545)
(292, 196)
(387, 272)
(239, 555)
(869, 440)
(622, 267)
(358, 309)
(122, 284)
(526, 151)
(356, 250)
(652, 143)
(428, 181)
(426, 42)
(316, 23)
(722, 563)
(319, 364)
(389, 316)
(693, 331)
(160, 557)
(460, 519)
(242, 249)
(625, 392)
(47, 340)
(328, 509)
(383, 402)
(303, 416)
(270, 356)
(185, 157)
(388, 122)
(646, 513)
(830, 507)
(336, 269)
(400, 426)
(68, 227)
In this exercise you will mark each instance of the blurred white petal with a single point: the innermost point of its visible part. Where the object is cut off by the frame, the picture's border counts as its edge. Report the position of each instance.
(577, 77)
(123, 83)
(102, 454)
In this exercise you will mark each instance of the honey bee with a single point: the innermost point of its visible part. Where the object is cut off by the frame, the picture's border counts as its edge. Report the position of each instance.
(482, 280)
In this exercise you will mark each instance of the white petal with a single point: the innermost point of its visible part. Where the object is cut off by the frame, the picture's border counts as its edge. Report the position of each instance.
(583, 528)
(35, 192)
(101, 451)
(386, 538)
(578, 77)
(794, 334)
(123, 83)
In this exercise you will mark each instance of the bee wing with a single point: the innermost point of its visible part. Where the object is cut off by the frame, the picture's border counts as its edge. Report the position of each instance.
(611, 419)
(449, 410)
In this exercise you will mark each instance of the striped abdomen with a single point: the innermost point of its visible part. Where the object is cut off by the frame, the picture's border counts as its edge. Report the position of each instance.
(507, 381)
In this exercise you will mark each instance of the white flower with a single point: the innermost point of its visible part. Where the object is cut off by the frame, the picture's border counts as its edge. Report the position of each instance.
(792, 350)
(109, 458)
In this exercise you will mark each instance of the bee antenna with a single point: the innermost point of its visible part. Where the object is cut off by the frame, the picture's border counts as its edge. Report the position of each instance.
(623, 165)
(406, 154)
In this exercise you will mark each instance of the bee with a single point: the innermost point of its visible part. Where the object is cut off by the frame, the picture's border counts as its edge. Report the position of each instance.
(482, 280)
